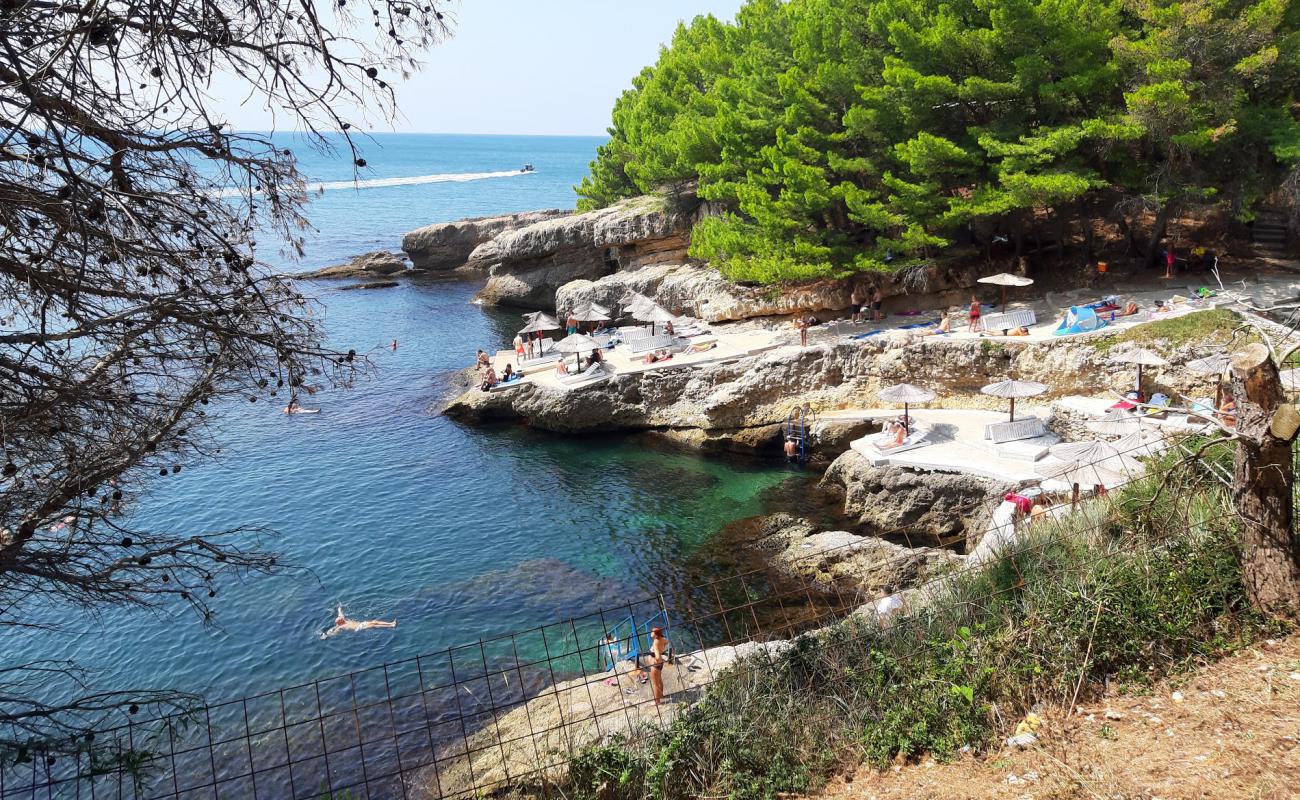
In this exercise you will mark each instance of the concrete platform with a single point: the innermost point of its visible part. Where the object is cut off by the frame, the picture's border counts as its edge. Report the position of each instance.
(957, 444)
(1098, 407)
(726, 347)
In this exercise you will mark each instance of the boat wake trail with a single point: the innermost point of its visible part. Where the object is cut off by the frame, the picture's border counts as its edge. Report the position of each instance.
(414, 180)
(383, 183)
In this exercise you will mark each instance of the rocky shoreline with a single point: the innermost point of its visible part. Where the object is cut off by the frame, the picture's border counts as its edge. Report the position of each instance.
(894, 528)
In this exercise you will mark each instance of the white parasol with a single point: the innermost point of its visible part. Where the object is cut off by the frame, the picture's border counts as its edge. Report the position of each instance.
(1005, 279)
(577, 343)
(906, 394)
(1014, 390)
(539, 321)
(1143, 358)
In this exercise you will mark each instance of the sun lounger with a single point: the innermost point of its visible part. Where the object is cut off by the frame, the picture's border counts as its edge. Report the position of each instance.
(594, 371)
(1027, 428)
(1157, 407)
(510, 384)
(632, 333)
(527, 365)
(870, 446)
(662, 341)
(1011, 320)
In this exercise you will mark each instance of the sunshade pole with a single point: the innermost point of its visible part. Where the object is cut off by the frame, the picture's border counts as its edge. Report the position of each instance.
(1013, 410)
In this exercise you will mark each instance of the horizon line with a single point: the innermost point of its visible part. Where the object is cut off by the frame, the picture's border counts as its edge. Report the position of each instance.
(438, 133)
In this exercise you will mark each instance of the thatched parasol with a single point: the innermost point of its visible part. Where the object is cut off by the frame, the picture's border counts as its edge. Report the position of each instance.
(1113, 424)
(1290, 379)
(906, 394)
(577, 343)
(1014, 390)
(1143, 358)
(1102, 454)
(1005, 279)
(589, 312)
(539, 321)
(1075, 474)
(652, 313)
(1215, 365)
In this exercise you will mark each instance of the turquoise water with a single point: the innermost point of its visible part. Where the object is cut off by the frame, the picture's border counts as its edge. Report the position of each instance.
(459, 534)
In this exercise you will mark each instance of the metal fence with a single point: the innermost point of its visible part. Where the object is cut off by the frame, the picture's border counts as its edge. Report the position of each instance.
(467, 719)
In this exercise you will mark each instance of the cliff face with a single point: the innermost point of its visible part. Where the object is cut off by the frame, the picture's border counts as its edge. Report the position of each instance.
(724, 399)
(448, 245)
(526, 265)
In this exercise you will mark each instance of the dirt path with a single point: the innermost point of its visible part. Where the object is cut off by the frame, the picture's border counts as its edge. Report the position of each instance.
(1229, 730)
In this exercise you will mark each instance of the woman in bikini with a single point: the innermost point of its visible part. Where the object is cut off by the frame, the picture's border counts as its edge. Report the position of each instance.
(974, 313)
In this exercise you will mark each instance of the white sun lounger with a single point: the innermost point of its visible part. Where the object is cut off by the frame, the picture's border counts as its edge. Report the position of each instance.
(662, 341)
(594, 371)
(1027, 428)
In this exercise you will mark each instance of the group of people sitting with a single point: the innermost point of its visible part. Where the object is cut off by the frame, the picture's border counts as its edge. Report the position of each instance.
(483, 363)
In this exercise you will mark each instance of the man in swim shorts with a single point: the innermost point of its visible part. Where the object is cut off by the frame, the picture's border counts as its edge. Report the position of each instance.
(855, 305)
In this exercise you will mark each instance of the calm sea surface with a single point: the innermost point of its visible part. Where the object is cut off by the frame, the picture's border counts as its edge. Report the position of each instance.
(459, 534)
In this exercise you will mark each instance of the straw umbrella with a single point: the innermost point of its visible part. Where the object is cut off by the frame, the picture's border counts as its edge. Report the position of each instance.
(1143, 358)
(538, 322)
(577, 343)
(653, 313)
(1145, 443)
(1112, 424)
(1215, 365)
(590, 312)
(1005, 279)
(1075, 474)
(906, 394)
(1102, 454)
(1014, 390)
(634, 301)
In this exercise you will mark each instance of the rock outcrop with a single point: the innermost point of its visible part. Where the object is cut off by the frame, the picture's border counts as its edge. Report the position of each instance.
(742, 399)
(929, 506)
(448, 245)
(526, 265)
(704, 292)
(847, 566)
(373, 265)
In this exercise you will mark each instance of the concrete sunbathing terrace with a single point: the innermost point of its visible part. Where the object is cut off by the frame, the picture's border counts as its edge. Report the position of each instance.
(1253, 290)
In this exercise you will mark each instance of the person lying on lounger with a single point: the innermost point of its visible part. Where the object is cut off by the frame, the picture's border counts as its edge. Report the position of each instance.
(896, 434)
(657, 356)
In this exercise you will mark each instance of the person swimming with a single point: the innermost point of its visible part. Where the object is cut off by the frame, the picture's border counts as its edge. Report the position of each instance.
(342, 623)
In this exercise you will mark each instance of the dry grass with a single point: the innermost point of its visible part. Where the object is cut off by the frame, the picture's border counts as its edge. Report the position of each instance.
(1232, 732)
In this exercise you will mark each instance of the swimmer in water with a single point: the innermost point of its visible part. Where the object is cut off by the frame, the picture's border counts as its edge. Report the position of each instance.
(394, 344)
(342, 623)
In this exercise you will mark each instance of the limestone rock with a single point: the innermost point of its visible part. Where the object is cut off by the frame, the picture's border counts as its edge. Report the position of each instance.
(379, 263)
(936, 505)
(702, 291)
(843, 563)
(448, 245)
(526, 265)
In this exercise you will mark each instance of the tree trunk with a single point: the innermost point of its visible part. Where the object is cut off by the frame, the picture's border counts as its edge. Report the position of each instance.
(1158, 232)
(1270, 553)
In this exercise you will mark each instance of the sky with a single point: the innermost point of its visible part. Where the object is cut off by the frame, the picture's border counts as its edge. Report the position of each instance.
(527, 66)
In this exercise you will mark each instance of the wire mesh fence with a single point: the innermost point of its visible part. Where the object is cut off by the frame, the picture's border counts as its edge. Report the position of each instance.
(498, 711)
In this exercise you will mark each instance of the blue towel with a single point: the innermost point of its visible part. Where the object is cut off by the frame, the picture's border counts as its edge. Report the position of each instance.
(868, 333)
(915, 325)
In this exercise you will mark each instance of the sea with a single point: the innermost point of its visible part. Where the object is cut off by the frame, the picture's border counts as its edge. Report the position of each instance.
(459, 534)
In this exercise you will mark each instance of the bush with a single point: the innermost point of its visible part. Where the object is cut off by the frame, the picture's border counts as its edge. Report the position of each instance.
(1129, 589)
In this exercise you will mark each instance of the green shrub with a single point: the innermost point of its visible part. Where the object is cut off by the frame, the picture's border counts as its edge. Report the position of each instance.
(1128, 589)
